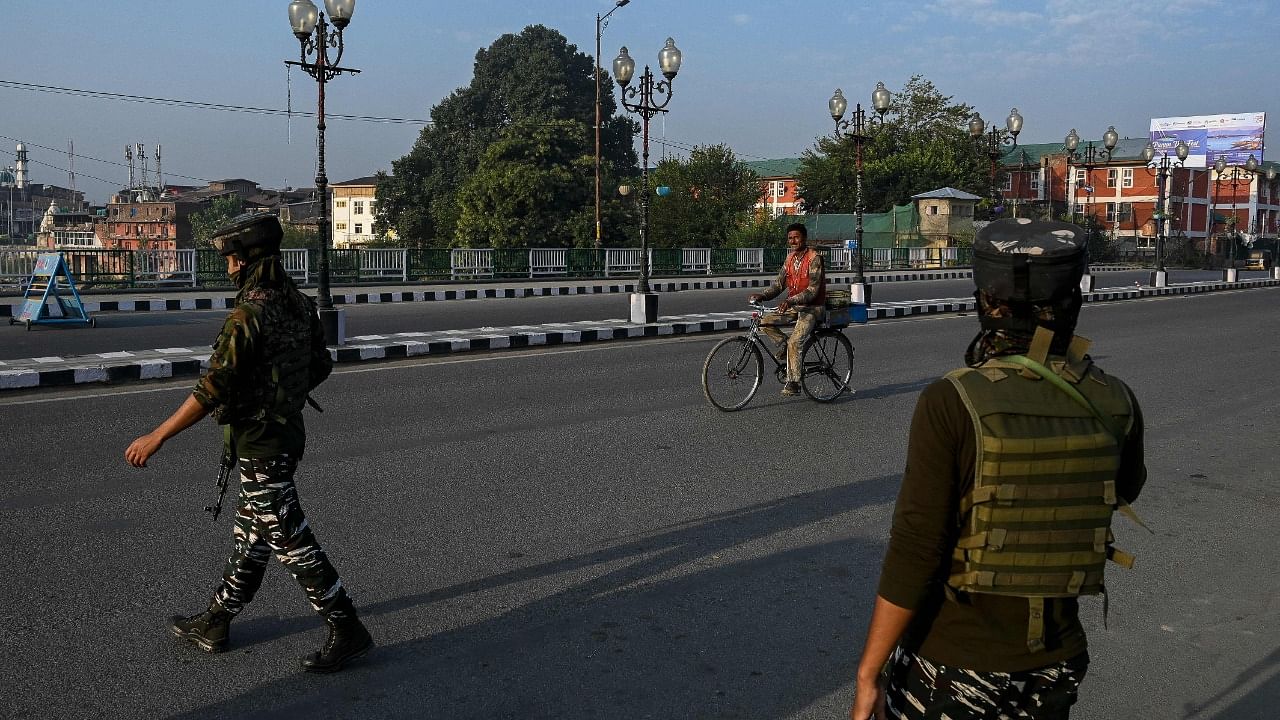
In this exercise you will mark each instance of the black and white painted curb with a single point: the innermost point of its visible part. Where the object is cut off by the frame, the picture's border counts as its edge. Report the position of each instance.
(179, 362)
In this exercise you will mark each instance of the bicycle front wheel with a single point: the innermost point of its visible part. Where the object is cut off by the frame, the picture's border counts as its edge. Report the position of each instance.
(731, 374)
(828, 366)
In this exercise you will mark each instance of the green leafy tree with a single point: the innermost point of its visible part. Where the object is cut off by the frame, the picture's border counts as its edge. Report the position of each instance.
(299, 236)
(534, 77)
(529, 188)
(922, 145)
(713, 196)
(205, 222)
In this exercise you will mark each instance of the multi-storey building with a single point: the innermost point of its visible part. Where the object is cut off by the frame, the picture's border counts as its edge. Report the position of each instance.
(138, 223)
(778, 194)
(352, 210)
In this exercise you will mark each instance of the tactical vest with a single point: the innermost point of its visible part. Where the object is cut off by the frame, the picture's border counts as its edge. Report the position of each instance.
(798, 277)
(275, 387)
(1037, 522)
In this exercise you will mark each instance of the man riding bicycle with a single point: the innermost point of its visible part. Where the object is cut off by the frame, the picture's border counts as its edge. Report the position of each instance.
(804, 279)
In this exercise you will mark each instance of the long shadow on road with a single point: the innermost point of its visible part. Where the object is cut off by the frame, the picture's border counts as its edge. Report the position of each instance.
(665, 629)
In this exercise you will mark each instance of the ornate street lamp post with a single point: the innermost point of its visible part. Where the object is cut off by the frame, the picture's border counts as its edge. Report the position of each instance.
(1235, 175)
(991, 142)
(1275, 253)
(316, 40)
(858, 129)
(1163, 166)
(601, 24)
(1088, 159)
(646, 99)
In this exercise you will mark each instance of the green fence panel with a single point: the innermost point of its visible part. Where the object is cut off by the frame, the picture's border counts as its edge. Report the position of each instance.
(773, 259)
(585, 262)
(667, 261)
(426, 263)
(211, 268)
(511, 262)
(344, 265)
(724, 260)
(101, 267)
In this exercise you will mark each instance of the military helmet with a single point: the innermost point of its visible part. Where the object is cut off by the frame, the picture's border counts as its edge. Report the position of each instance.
(1032, 270)
(249, 236)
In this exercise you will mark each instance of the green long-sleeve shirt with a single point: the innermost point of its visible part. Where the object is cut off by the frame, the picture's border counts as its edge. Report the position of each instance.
(979, 631)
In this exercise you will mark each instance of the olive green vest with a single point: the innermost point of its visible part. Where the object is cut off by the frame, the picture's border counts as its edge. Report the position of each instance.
(1037, 522)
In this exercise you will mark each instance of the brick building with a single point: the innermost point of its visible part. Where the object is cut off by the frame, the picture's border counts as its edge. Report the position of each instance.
(778, 194)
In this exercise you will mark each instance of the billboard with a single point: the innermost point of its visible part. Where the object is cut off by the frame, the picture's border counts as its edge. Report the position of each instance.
(1234, 137)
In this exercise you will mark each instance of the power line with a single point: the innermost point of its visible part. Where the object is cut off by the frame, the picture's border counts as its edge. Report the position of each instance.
(172, 102)
(90, 157)
(62, 169)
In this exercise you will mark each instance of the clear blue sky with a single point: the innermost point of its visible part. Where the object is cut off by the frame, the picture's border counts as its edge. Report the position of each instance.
(756, 75)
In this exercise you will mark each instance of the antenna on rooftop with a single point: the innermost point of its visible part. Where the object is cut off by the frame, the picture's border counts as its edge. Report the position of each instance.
(71, 166)
(159, 175)
(128, 156)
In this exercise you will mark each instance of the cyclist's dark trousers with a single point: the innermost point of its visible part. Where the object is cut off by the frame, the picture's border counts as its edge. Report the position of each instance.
(920, 689)
(269, 520)
(805, 321)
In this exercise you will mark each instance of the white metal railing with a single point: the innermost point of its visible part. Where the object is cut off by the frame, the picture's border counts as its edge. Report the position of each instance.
(471, 262)
(16, 265)
(750, 260)
(157, 266)
(695, 260)
(297, 263)
(622, 261)
(839, 259)
(548, 261)
(384, 262)
(881, 257)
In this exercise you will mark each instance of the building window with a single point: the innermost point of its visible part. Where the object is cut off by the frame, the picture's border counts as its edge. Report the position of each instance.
(1079, 209)
(1008, 182)
(1126, 177)
(340, 226)
(1035, 181)
(1111, 212)
(340, 204)
(1080, 176)
(359, 229)
(933, 209)
(1112, 174)
(357, 207)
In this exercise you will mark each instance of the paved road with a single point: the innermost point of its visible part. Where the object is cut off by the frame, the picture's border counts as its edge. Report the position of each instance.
(196, 329)
(574, 533)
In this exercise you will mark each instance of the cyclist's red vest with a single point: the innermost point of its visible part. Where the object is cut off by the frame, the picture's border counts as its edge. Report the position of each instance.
(798, 276)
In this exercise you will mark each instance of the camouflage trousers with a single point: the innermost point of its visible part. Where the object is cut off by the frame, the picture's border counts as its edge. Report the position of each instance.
(269, 521)
(919, 689)
(805, 321)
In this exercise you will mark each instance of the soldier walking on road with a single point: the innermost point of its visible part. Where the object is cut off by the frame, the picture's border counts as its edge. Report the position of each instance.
(1015, 466)
(270, 354)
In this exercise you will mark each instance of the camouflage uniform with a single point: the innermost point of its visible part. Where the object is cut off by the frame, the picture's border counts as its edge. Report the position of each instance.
(923, 690)
(270, 354)
(806, 311)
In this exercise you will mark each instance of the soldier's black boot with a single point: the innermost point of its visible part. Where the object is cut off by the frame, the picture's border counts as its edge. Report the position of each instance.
(348, 640)
(209, 631)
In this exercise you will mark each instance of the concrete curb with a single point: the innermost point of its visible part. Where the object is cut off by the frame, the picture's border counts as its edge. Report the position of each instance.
(183, 362)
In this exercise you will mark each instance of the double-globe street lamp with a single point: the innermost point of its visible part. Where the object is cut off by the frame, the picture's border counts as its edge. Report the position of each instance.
(646, 99)
(1088, 158)
(316, 40)
(991, 142)
(858, 129)
(1163, 167)
(602, 22)
(1237, 174)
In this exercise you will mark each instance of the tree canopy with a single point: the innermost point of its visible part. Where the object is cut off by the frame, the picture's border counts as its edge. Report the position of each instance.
(207, 221)
(712, 198)
(525, 87)
(922, 145)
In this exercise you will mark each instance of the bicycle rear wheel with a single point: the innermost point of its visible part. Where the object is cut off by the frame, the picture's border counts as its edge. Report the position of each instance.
(828, 366)
(731, 374)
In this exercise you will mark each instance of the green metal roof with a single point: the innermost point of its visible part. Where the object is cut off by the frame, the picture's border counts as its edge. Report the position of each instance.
(776, 168)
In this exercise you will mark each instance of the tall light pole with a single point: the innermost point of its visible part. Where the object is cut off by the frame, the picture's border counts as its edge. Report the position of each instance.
(1275, 254)
(1237, 174)
(858, 128)
(1088, 158)
(1163, 166)
(315, 39)
(13, 180)
(647, 100)
(991, 142)
(601, 24)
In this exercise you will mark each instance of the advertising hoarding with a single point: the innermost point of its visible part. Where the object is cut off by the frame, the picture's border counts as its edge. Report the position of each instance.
(1235, 137)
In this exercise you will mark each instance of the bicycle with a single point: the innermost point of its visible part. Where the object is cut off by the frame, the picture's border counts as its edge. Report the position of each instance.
(734, 368)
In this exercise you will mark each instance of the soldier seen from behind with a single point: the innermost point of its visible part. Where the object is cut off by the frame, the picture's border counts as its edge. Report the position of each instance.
(1015, 467)
(802, 281)
(270, 354)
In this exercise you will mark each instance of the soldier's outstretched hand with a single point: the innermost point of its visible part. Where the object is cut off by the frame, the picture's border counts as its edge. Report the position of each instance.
(143, 448)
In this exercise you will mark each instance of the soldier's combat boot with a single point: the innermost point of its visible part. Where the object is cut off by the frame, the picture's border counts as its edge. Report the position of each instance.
(348, 640)
(209, 631)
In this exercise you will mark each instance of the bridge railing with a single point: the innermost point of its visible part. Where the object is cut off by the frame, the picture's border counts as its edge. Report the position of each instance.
(192, 268)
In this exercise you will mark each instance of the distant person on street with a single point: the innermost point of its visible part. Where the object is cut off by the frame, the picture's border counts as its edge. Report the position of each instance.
(804, 280)
(270, 354)
(1015, 466)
